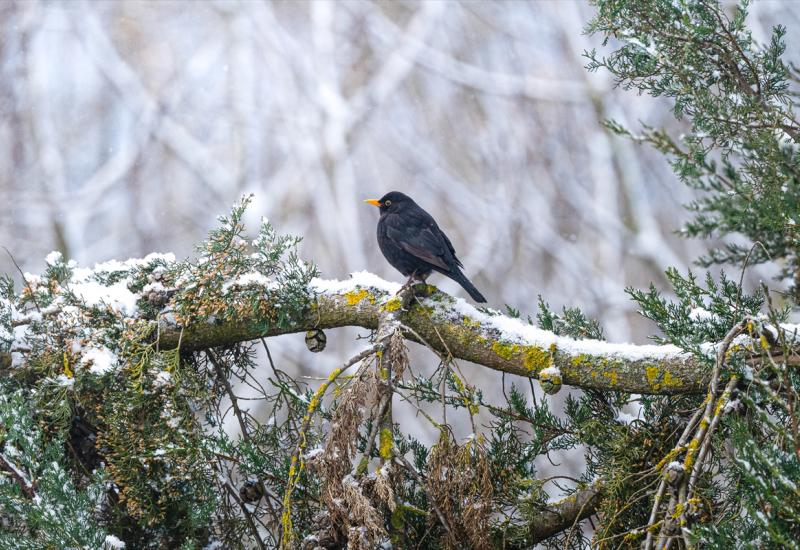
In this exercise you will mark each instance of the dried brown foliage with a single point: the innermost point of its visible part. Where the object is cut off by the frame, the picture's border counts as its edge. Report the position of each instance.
(459, 482)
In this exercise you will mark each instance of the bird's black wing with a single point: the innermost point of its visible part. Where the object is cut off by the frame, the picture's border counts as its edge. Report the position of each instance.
(450, 247)
(428, 221)
(423, 240)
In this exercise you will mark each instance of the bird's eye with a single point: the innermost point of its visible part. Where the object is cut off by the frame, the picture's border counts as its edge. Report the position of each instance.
(387, 203)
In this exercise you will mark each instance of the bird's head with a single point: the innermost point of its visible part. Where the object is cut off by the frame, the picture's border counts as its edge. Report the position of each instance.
(392, 201)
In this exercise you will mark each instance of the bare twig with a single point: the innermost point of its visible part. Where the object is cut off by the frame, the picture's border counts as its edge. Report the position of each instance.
(683, 497)
(663, 483)
(27, 486)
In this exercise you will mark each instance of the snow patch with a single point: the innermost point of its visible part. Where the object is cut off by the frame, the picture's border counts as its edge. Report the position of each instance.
(53, 258)
(700, 314)
(101, 359)
(550, 372)
(163, 378)
(154, 287)
(250, 278)
(732, 405)
(17, 359)
(116, 296)
(114, 266)
(113, 543)
(64, 380)
(357, 279)
(516, 331)
(625, 418)
(313, 453)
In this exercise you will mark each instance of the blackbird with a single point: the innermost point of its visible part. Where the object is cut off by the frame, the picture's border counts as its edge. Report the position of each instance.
(412, 242)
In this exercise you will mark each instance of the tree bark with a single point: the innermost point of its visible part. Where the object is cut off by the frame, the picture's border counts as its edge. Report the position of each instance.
(454, 328)
(451, 326)
(557, 517)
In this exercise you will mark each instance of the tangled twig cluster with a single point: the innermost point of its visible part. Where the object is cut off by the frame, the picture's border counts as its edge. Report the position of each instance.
(681, 478)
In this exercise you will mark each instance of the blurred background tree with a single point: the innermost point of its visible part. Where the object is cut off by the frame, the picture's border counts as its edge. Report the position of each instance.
(128, 132)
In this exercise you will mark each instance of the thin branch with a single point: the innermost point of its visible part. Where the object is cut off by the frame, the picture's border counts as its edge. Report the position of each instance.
(555, 518)
(403, 461)
(27, 487)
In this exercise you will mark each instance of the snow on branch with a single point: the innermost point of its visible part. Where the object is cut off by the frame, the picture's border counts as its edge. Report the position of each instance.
(483, 336)
(446, 324)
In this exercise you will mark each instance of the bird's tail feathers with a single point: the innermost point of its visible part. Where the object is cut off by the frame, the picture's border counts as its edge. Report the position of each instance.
(461, 279)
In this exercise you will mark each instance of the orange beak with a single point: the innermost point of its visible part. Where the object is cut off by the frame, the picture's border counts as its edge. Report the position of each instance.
(373, 202)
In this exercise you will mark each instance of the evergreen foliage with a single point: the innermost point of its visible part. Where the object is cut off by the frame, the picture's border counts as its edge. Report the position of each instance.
(741, 148)
(741, 152)
(41, 505)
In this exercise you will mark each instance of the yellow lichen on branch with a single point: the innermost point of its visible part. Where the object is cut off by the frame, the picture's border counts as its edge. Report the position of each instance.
(452, 326)
(298, 464)
(449, 325)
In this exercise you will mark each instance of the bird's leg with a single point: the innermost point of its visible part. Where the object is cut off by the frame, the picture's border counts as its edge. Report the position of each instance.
(420, 279)
(408, 284)
(412, 280)
(406, 291)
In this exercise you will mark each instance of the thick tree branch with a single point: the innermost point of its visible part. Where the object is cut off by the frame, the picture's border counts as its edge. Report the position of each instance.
(450, 325)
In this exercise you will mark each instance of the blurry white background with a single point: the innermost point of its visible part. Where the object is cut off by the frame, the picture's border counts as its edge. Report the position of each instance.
(126, 127)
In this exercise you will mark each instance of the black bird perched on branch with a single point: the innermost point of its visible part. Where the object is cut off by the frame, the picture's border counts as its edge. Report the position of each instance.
(412, 242)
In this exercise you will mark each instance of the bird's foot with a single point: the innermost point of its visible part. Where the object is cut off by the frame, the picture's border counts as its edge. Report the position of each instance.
(414, 286)
(406, 293)
(412, 282)
(408, 284)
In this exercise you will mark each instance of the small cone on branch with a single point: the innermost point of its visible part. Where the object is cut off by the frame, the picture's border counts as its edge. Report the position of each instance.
(316, 340)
